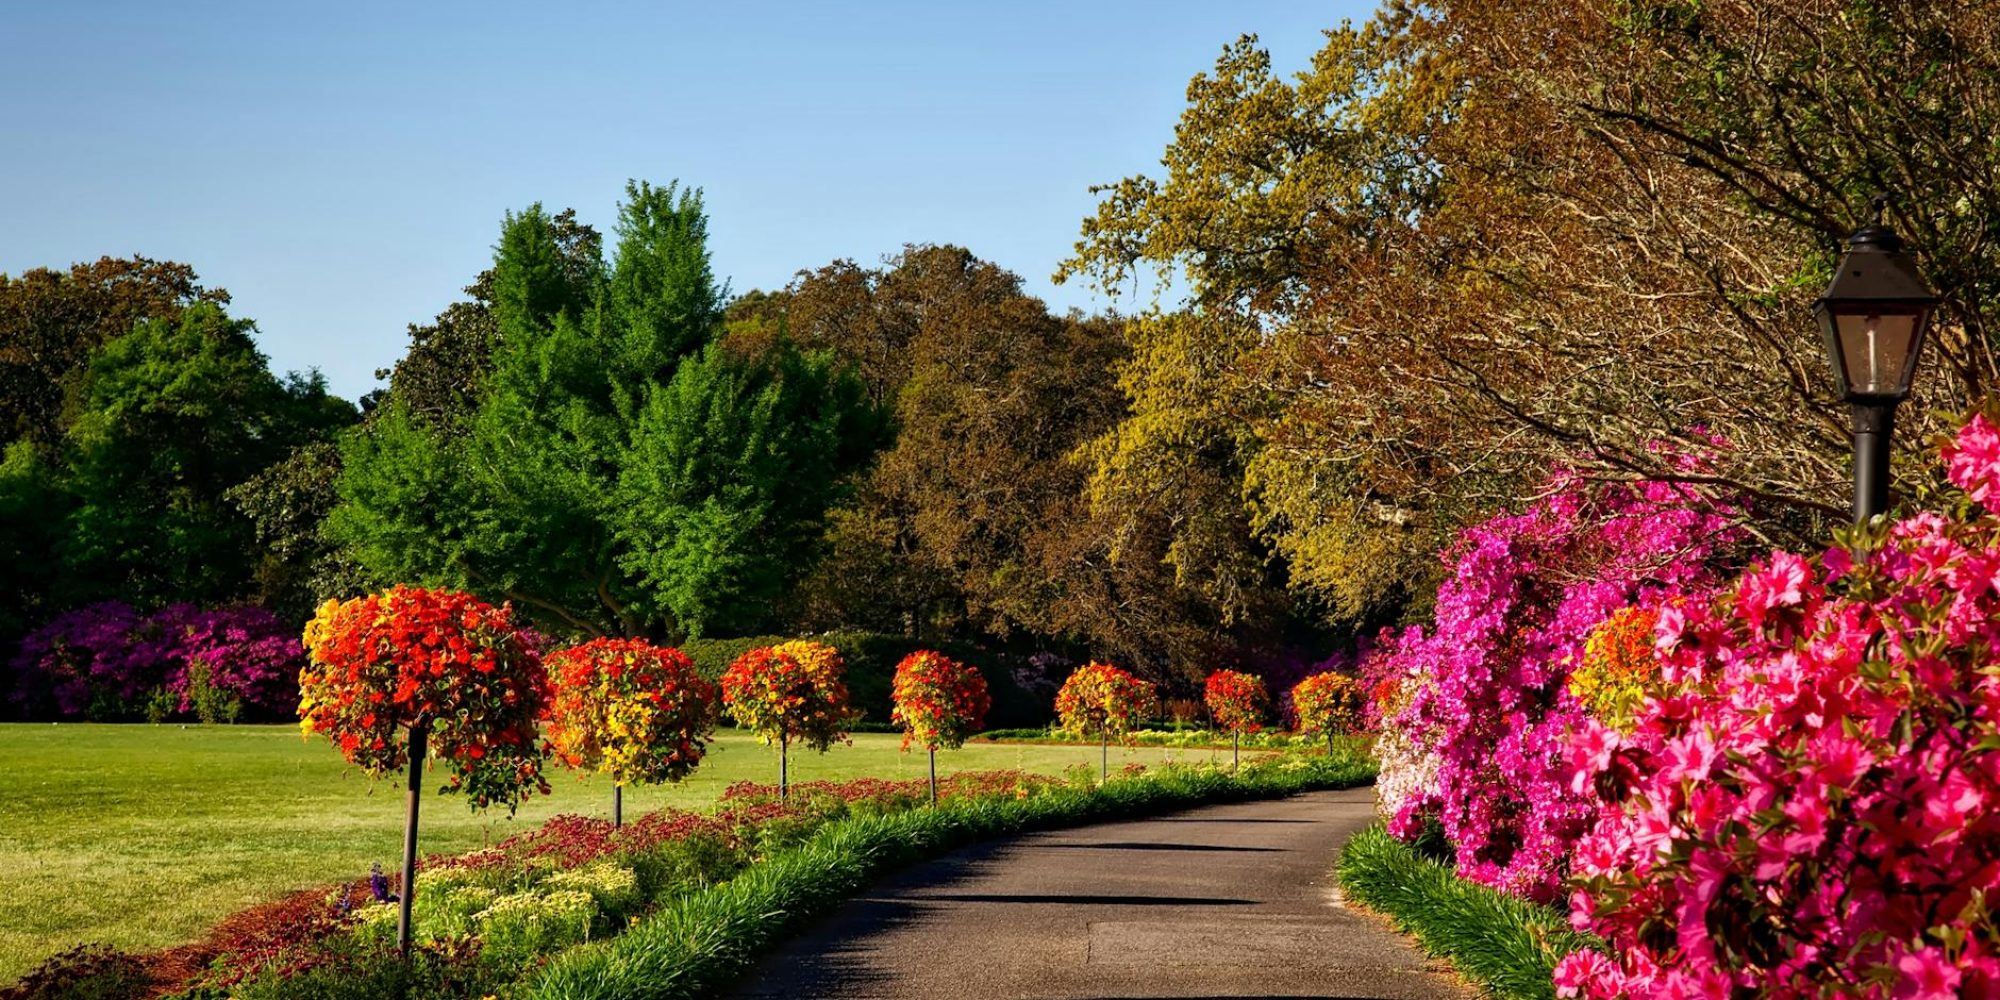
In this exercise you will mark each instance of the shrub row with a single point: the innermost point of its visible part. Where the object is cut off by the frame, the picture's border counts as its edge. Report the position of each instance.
(109, 663)
(1504, 943)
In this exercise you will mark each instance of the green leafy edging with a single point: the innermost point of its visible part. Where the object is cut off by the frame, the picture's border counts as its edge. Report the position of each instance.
(1506, 944)
(698, 944)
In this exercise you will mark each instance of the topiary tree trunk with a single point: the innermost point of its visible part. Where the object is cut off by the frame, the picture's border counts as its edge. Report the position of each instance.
(419, 747)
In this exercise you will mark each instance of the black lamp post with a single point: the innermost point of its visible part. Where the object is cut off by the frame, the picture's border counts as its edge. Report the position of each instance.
(1875, 315)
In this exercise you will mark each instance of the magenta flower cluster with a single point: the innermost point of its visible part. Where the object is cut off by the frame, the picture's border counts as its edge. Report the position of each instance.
(1810, 803)
(1482, 739)
(109, 662)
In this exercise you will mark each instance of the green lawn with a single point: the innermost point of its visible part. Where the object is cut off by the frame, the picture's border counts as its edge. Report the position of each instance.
(143, 836)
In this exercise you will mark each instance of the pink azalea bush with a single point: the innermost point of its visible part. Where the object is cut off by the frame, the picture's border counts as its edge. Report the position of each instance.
(1809, 804)
(1479, 741)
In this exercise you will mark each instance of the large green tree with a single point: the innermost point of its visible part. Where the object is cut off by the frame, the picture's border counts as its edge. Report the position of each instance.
(169, 417)
(618, 473)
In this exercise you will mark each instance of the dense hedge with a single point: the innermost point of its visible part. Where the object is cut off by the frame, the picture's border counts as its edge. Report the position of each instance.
(1504, 943)
(696, 945)
(871, 668)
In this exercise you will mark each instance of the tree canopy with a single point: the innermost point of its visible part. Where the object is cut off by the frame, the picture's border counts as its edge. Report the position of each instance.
(619, 472)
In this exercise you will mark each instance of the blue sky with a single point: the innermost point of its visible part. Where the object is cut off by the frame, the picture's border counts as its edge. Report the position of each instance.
(342, 169)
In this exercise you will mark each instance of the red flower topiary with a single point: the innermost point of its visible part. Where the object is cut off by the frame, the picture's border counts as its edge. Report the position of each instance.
(789, 693)
(1103, 701)
(940, 702)
(1237, 701)
(632, 710)
(1328, 705)
(437, 659)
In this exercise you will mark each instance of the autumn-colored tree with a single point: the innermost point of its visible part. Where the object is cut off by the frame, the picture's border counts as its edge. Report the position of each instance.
(793, 692)
(990, 392)
(448, 671)
(1102, 701)
(939, 702)
(1471, 237)
(633, 711)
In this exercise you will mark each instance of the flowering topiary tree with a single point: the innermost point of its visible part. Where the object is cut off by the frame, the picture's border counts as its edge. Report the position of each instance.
(1237, 701)
(443, 666)
(939, 702)
(1103, 701)
(631, 710)
(1488, 713)
(1805, 806)
(789, 693)
(1327, 704)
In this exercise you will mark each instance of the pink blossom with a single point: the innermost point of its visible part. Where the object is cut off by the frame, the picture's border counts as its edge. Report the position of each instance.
(1926, 974)
(1972, 462)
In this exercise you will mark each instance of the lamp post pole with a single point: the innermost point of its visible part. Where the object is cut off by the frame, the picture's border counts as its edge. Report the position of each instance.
(1874, 424)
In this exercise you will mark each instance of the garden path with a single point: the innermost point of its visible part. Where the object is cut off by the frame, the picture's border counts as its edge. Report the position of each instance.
(1225, 901)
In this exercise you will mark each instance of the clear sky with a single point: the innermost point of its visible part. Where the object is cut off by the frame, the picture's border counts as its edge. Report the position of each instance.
(342, 168)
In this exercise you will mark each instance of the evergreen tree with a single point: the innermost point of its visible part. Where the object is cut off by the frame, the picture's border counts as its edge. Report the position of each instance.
(611, 468)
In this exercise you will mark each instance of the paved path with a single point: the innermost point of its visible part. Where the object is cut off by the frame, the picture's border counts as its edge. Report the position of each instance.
(1225, 901)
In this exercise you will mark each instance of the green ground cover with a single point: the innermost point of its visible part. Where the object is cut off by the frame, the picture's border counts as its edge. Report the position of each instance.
(143, 836)
(1507, 945)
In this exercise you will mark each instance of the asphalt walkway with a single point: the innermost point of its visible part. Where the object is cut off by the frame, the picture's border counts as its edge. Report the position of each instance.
(1225, 901)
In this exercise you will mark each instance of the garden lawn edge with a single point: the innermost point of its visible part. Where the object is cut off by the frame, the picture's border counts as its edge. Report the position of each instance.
(1505, 944)
(699, 943)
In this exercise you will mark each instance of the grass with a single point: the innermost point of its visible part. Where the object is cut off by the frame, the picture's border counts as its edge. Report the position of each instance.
(696, 944)
(1506, 944)
(144, 836)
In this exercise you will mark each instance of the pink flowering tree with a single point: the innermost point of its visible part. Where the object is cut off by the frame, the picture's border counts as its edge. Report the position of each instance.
(1478, 740)
(1809, 802)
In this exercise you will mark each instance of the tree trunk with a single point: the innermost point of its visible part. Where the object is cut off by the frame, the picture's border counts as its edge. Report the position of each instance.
(1235, 750)
(419, 746)
(617, 805)
(1106, 770)
(784, 768)
(933, 777)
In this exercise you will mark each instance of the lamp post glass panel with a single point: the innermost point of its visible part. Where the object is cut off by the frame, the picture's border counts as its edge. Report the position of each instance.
(1875, 315)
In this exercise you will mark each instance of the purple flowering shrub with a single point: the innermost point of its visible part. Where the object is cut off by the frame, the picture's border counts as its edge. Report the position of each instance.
(107, 662)
(81, 666)
(1482, 701)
